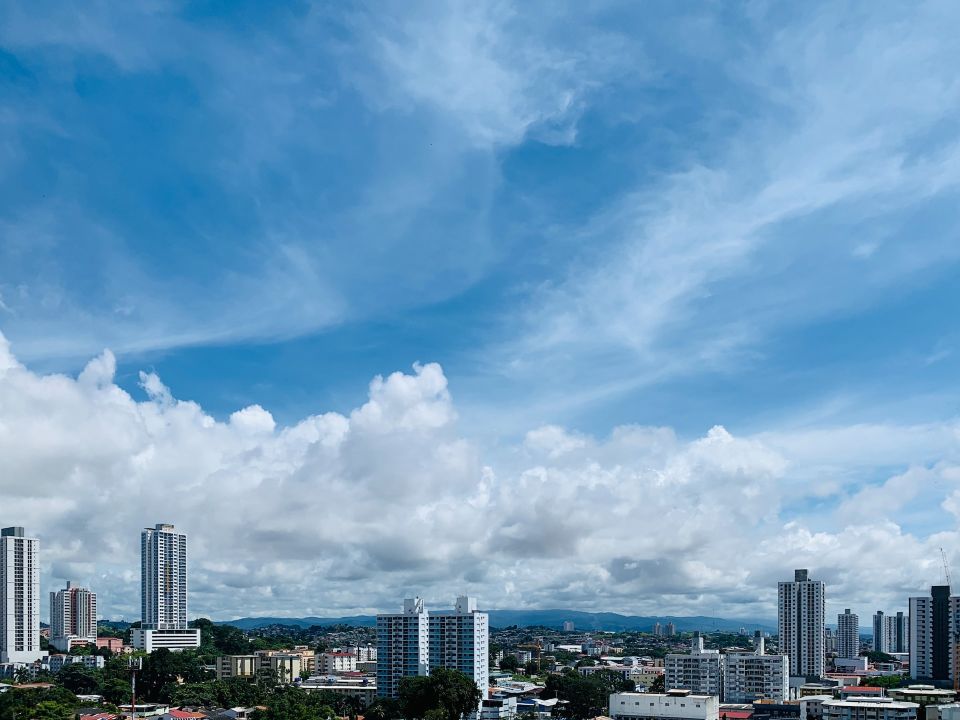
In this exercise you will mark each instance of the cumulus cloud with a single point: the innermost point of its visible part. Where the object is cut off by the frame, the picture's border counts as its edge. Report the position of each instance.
(341, 513)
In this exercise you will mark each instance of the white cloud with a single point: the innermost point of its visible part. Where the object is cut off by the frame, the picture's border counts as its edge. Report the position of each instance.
(341, 513)
(499, 74)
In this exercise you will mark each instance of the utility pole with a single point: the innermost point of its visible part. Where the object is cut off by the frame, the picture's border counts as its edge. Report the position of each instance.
(135, 664)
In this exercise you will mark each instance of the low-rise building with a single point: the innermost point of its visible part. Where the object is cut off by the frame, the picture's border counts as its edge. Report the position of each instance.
(365, 689)
(286, 666)
(114, 645)
(869, 708)
(672, 705)
(340, 661)
(923, 695)
(499, 708)
(55, 663)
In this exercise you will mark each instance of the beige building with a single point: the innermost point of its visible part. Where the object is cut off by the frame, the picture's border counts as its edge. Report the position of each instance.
(335, 662)
(286, 666)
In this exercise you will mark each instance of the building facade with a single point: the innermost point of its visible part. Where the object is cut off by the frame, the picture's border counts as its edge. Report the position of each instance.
(335, 662)
(848, 635)
(460, 640)
(869, 708)
(163, 591)
(879, 643)
(932, 622)
(897, 633)
(673, 705)
(73, 617)
(19, 597)
(756, 676)
(403, 646)
(698, 671)
(801, 608)
(415, 642)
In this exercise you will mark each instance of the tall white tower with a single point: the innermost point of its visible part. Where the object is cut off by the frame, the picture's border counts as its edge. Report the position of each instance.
(403, 646)
(802, 606)
(163, 591)
(848, 635)
(460, 640)
(19, 597)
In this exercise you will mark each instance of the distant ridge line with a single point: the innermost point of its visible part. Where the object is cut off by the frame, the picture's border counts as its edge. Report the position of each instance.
(553, 619)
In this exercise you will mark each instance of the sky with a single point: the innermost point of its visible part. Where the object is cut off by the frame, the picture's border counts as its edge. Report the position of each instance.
(617, 306)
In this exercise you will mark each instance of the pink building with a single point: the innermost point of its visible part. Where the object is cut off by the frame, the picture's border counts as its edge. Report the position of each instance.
(115, 645)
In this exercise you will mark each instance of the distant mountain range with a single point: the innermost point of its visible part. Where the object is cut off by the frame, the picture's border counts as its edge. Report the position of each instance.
(545, 618)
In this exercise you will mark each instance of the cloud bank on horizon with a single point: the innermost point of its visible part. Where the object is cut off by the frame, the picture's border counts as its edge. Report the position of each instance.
(339, 514)
(691, 273)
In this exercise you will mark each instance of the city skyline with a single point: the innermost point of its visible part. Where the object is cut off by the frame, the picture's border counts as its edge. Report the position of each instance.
(174, 612)
(609, 306)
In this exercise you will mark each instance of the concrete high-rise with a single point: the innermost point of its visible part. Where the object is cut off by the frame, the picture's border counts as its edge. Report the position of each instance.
(415, 642)
(898, 633)
(699, 671)
(756, 676)
(460, 640)
(19, 597)
(403, 646)
(73, 617)
(163, 591)
(848, 635)
(801, 611)
(932, 622)
(879, 632)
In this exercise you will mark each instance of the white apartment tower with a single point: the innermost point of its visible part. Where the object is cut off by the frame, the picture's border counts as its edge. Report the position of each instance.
(163, 591)
(403, 648)
(801, 611)
(415, 642)
(19, 597)
(848, 635)
(698, 671)
(756, 676)
(460, 640)
(73, 617)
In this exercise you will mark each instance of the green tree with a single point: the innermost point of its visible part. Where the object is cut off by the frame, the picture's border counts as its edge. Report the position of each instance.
(291, 703)
(509, 663)
(585, 696)
(80, 680)
(657, 686)
(382, 709)
(443, 695)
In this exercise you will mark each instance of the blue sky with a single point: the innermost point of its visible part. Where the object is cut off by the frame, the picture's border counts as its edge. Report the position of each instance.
(592, 217)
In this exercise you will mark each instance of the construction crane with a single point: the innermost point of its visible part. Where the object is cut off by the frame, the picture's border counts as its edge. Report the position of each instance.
(956, 628)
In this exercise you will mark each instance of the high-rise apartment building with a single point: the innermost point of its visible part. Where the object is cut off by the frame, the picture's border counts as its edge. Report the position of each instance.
(801, 611)
(657, 629)
(460, 640)
(699, 671)
(416, 641)
(756, 676)
(73, 617)
(896, 633)
(671, 629)
(932, 621)
(879, 643)
(403, 646)
(163, 591)
(19, 597)
(848, 635)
